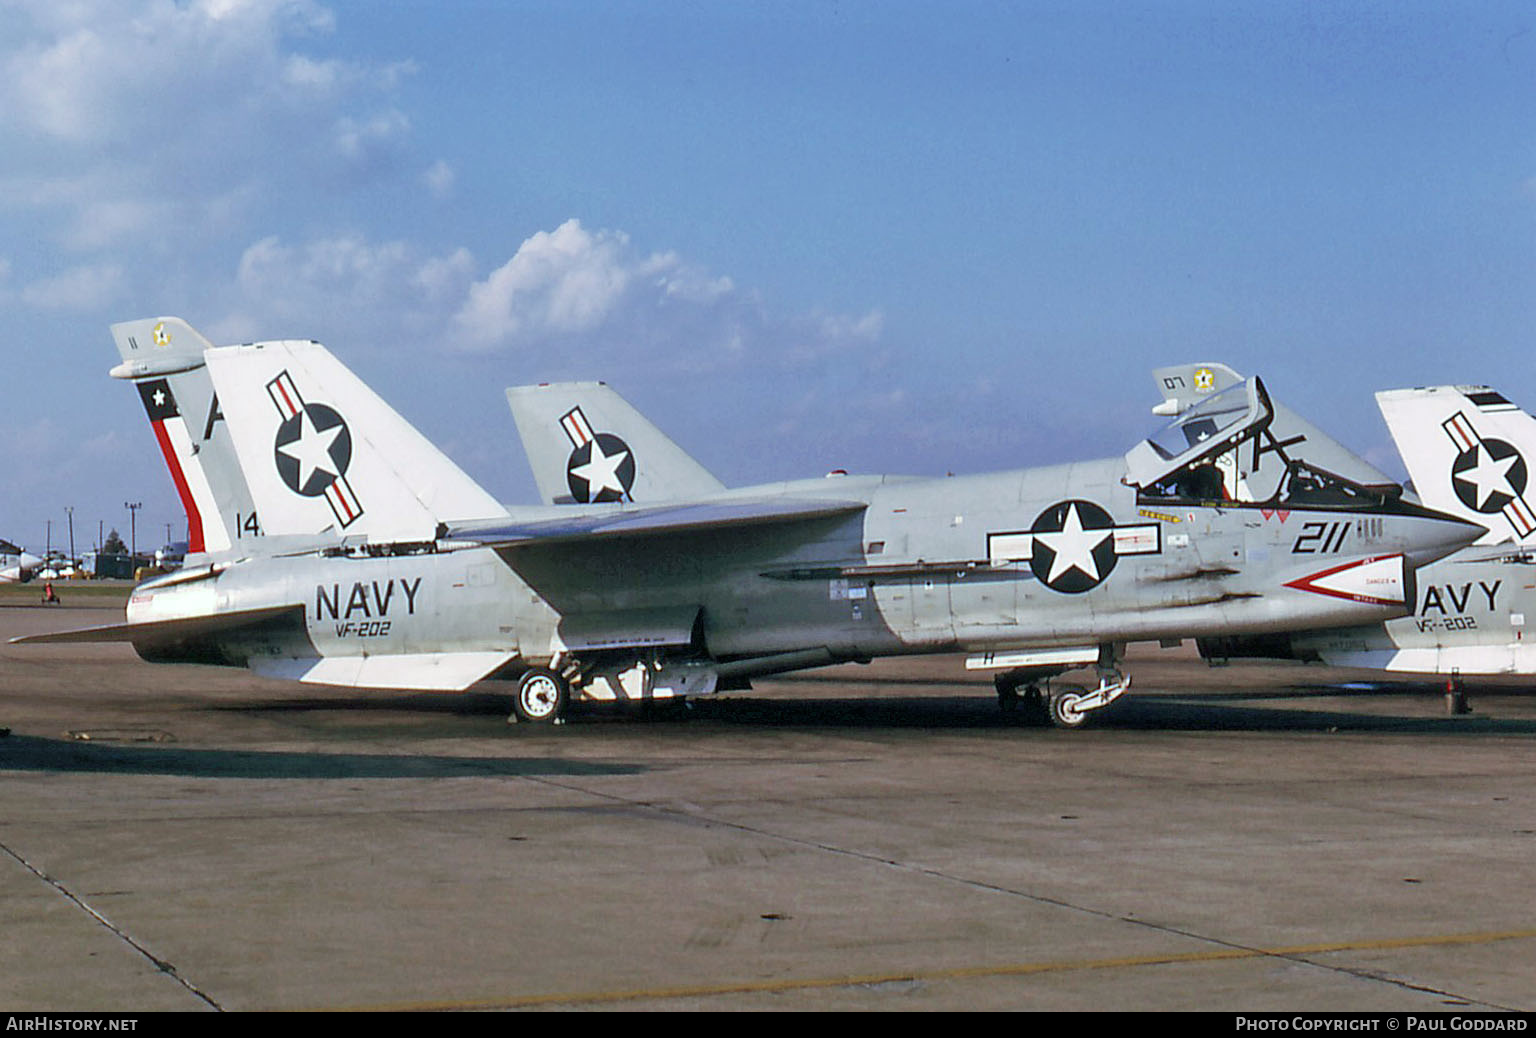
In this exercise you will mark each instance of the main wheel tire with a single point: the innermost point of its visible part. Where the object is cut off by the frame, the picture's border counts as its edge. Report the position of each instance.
(541, 696)
(1007, 694)
(1037, 710)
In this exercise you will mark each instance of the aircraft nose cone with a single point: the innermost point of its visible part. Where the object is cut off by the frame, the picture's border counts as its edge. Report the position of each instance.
(1436, 535)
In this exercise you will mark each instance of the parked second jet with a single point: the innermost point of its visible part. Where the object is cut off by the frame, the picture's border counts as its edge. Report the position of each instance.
(1465, 448)
(339, 546)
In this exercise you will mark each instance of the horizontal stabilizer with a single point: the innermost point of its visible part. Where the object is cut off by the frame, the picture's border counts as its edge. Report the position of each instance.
(424, 671)
(152, 631)
(657, 519)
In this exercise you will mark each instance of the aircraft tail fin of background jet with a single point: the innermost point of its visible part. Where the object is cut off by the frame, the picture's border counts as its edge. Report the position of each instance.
(322, 452)
(1288, 436)
(164, 358)
(1465, 448)
(585, 443)
(1185, 384)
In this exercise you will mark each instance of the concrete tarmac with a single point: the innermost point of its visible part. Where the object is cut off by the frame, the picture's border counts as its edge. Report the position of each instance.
(1253, 837)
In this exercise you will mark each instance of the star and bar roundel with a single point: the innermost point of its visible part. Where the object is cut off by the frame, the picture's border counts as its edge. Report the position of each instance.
(313, 449)
(1489, 476)
(1073, 545)
(601, 466)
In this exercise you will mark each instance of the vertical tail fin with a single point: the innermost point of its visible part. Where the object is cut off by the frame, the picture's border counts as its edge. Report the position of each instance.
(322, 452)
(585, 443)
(1468, 451)
(164, 358)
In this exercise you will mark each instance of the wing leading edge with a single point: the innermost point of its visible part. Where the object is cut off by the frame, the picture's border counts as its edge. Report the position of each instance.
(148, 632)
(652, 521)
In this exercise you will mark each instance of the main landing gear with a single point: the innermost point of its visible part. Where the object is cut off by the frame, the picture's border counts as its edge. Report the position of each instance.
(541, 697)
(1064, 705)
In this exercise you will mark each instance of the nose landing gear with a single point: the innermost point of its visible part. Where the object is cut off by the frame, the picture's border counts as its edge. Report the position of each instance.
(1065, 705)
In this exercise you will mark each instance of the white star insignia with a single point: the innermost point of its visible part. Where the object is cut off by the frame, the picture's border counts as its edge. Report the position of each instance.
(312, 450)
(1489, 476)
(601, 472)
(1074, 547)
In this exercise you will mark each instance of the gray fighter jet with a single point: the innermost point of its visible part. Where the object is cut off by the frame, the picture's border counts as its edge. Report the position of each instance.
(340, 547)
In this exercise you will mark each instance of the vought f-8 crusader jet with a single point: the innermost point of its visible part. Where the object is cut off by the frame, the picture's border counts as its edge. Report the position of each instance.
(334, 544)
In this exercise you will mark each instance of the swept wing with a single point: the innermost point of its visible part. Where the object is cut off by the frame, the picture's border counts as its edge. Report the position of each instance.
(652, 520)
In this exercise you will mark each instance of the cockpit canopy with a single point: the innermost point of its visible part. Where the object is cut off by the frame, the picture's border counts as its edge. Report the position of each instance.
(1222, 450)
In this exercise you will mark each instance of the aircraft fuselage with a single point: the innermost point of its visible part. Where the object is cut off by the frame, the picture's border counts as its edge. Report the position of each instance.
(1035, 558)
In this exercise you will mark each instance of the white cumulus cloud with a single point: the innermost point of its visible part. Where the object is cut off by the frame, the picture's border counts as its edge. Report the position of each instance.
(377, 288)
(132, 114)
(565, 280)
(567, 294)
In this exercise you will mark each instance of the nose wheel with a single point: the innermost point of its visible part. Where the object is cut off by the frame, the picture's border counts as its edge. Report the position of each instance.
(1063, 705)
(541, 697)
(1072, 706)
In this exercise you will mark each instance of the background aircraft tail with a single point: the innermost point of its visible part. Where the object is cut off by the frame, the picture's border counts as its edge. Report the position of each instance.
(164, 358)
(585, 443)
(321, 452)
(1184, 385)
(1466, 450)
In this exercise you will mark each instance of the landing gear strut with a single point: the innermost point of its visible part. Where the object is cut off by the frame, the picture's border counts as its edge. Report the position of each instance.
(1065, 706)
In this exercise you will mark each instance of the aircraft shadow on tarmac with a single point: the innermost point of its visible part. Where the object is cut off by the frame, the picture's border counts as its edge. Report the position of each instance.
(459, 704)
(1226, 711)
(976, 709)
(124, 753)
(31, 753)
(1215, 712)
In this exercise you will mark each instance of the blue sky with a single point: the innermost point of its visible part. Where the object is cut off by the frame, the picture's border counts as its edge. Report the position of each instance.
(903, 237)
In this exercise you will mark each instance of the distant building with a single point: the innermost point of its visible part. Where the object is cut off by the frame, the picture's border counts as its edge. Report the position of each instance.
(112, 565)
